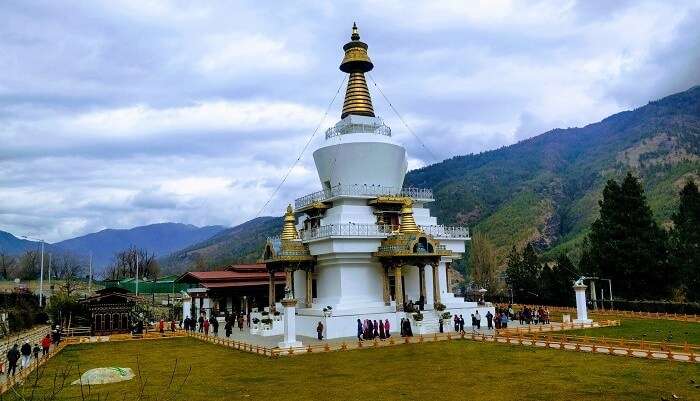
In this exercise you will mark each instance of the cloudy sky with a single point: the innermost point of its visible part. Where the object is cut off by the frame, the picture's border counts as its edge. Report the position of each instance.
(127, 113)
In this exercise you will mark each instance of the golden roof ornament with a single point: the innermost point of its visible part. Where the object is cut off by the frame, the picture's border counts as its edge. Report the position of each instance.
(408, 224)
(356, 63)
(289, 230)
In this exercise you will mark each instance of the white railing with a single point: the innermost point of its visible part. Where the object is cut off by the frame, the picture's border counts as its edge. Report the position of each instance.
(423, 194)
(347, 230)
(440, 231)
(374, 230)
(380, 129)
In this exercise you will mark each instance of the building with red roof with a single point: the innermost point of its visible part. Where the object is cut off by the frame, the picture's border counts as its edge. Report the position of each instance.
(235, 289)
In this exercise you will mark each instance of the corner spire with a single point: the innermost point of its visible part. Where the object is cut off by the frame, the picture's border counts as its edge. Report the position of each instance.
(289, 231)
(356, 63)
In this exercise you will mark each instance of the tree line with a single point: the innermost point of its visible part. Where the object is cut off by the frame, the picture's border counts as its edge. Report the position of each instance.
(644, 260)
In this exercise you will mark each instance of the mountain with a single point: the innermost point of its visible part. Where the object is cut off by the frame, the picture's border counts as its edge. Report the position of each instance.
(12, 245)
(160, 239)
(545, 189)
(242, 243)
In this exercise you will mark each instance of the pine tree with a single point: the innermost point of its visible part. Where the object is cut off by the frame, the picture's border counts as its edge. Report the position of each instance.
(626, 244)
(522, 273)
(514, 269)
(685, 242)
(531, 271)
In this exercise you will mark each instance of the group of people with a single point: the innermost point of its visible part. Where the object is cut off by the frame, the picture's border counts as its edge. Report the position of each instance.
(204, 325)
(232, 321)
(530, 315)
(371, 329)
(161, 326)
(26, 351)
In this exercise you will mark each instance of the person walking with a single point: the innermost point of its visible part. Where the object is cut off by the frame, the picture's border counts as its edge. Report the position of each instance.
(240, 322)
(35, 351)
(461, 324)
(45, 344)
(381, 330)
(161, 327)
(387, 328)
(489, 320)
(205, 325)
(214, 325)
(504, 321)
(457, 323)
(375, 334)
(359, 330)
(477, 319)
(12, 358)
(56, 335)
(201, 321)
(26, 351)
(228, 327)
(319, 331)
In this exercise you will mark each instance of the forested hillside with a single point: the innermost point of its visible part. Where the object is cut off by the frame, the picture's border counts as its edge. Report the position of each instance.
(546, 189)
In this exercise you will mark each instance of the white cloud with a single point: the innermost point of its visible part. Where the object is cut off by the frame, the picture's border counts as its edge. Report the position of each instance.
(140, 112)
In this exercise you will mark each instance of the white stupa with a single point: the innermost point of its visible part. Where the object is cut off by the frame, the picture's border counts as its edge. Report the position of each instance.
(365, 246)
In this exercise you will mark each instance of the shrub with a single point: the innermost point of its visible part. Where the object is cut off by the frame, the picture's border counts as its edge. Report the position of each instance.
(446, 316)
(266, 321)
(256, 320)
(439, 306)
(418, 317)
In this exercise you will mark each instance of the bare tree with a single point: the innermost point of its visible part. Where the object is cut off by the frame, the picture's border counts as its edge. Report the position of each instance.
(69, 269)
(7, 264)
(124, 265)
(483, 264)
(29, 265)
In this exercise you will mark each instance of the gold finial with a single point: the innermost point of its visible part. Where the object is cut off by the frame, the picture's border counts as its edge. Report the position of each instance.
(356, 62)
(408, 224)
(355, 35)
(289, 231)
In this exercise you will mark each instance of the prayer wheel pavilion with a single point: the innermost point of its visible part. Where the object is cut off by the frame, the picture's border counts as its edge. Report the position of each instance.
(365, 247)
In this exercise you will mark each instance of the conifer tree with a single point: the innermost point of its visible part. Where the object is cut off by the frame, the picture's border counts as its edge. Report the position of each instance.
(685, 241)
(626, 244)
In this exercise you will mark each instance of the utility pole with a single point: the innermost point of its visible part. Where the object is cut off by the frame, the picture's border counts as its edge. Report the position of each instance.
(90, 275)
(137, 273)
(41, 277)
(50, 289)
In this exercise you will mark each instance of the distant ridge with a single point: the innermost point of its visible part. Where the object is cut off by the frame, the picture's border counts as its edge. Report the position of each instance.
(160, 239)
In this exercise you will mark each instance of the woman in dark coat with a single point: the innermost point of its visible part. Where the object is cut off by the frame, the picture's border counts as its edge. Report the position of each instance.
(408, 329)
(359, 330)
(402, 326)
(375, 334)
(370, 330)
(381, 330)
(228, 327)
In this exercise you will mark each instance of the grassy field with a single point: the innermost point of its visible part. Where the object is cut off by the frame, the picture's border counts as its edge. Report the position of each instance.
(647, 329)
(455, 370)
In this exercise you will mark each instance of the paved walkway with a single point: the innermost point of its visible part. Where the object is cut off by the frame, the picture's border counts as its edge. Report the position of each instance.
(272, 341)
(34, 336)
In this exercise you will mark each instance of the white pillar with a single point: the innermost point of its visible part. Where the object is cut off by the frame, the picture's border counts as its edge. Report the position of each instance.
(290, 334)
(581, 310)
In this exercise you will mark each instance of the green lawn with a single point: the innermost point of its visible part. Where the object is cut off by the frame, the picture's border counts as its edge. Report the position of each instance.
(655, 330)
(452, 370)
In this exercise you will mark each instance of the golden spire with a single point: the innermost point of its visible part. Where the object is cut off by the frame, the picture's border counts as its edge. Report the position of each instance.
(408, 224)
(289, 231)
(356, 62)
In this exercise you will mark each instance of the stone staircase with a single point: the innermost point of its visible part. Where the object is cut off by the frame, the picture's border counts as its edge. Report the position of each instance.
(430, 323)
